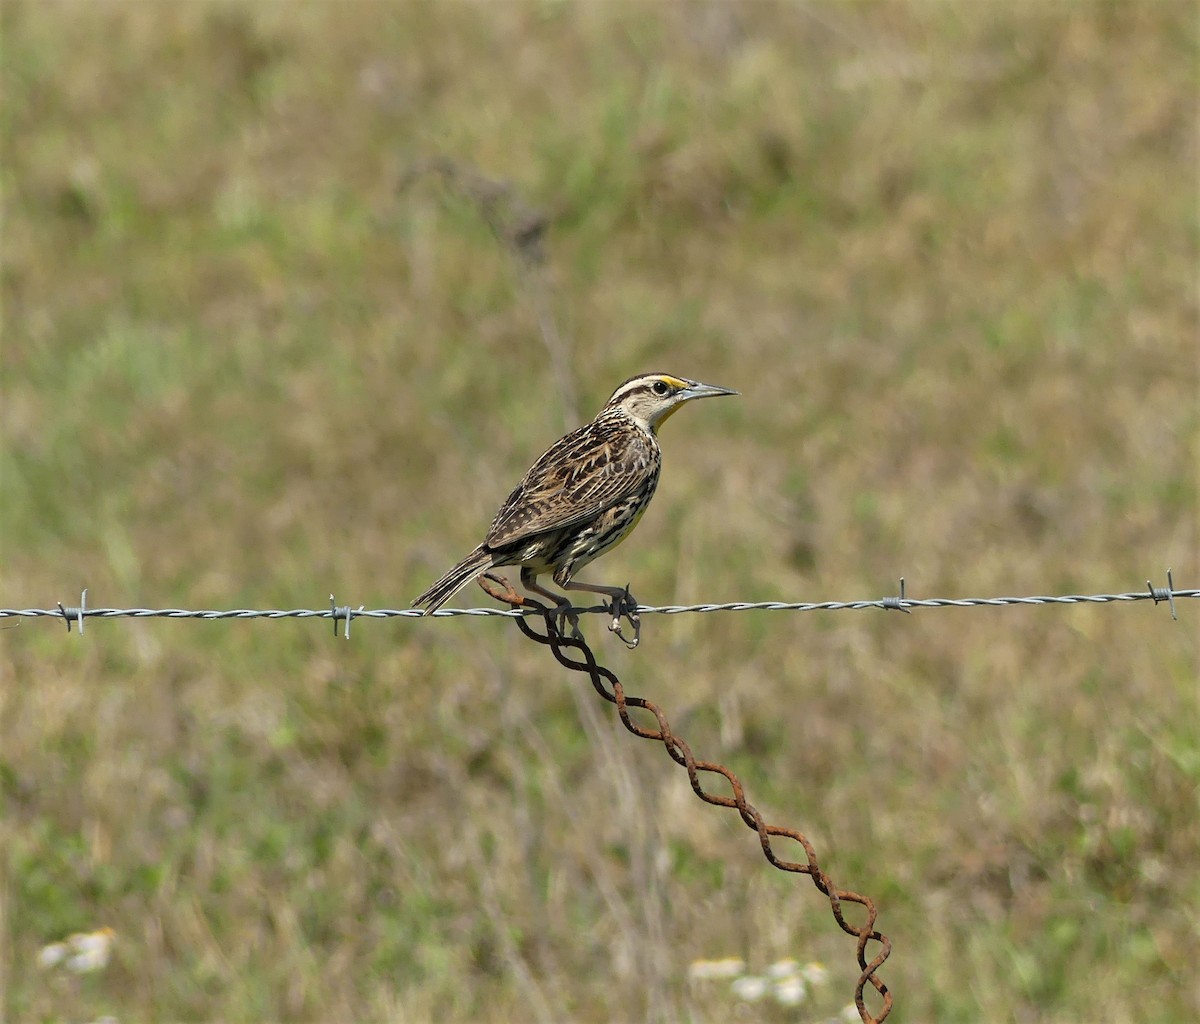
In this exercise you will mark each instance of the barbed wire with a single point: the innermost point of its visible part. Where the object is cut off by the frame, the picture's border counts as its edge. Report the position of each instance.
(606, 683)
(344, 613)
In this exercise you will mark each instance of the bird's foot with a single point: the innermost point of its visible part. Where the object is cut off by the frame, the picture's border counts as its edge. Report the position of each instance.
(562, 616)
(624, 605)
(565, 615)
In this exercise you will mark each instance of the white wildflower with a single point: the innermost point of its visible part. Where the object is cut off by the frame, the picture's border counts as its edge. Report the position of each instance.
(790, 991)
(750, 988)
(81, 953)
(781, 969)
(52, 955)
(816, 973)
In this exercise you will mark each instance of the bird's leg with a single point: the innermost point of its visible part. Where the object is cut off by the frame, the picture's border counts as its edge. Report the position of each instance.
(562, 605)
(623, 605)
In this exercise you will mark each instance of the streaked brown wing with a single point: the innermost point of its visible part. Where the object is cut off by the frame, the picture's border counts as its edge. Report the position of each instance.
(577, 478)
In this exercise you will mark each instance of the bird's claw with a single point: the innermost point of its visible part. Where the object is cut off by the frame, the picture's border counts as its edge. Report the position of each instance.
(625, 605)
(567, 616)
(497, 586)
(564, 620)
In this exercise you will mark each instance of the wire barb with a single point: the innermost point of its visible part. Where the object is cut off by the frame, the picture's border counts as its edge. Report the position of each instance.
(337, 612)
(609, 687)
(896, 603)
(1158, 593)
(76, 614)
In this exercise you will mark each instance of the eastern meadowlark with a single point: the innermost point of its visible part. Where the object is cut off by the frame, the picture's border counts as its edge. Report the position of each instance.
(581, 498)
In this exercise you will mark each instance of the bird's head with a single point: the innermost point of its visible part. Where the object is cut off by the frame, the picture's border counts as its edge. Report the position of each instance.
(649, 398)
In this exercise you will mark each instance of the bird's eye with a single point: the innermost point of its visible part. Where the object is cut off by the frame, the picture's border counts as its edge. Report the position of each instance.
(659, 388)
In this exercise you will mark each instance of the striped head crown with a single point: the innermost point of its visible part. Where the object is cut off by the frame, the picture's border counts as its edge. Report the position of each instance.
(649, 398)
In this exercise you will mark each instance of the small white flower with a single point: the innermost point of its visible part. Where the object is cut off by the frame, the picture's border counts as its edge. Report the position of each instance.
(750, 988)
(781, 969)
(816, 973)
(81, 953)
(790, 991)
(708, 970)
(52, 955)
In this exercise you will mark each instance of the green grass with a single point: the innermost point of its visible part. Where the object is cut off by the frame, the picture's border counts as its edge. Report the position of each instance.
(946, 252)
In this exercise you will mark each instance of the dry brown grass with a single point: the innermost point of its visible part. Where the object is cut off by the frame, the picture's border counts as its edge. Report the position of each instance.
(948, 253)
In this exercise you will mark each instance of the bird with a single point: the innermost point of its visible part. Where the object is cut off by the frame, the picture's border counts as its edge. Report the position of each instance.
(580, 499)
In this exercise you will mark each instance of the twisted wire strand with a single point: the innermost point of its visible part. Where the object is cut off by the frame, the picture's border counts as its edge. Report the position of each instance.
(605, 682)
(681, 753)
(1151, 593)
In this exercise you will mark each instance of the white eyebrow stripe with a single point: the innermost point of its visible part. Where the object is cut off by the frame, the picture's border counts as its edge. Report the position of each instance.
(645, 383)
(634, 386)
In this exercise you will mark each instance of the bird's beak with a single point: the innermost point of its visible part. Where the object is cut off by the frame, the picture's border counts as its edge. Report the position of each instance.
(697, 390)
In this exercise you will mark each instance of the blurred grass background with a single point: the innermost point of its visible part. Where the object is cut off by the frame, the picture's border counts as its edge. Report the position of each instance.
(947, 252)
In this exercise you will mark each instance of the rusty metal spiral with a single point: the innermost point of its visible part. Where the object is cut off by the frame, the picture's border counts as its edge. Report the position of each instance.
(608, 686)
